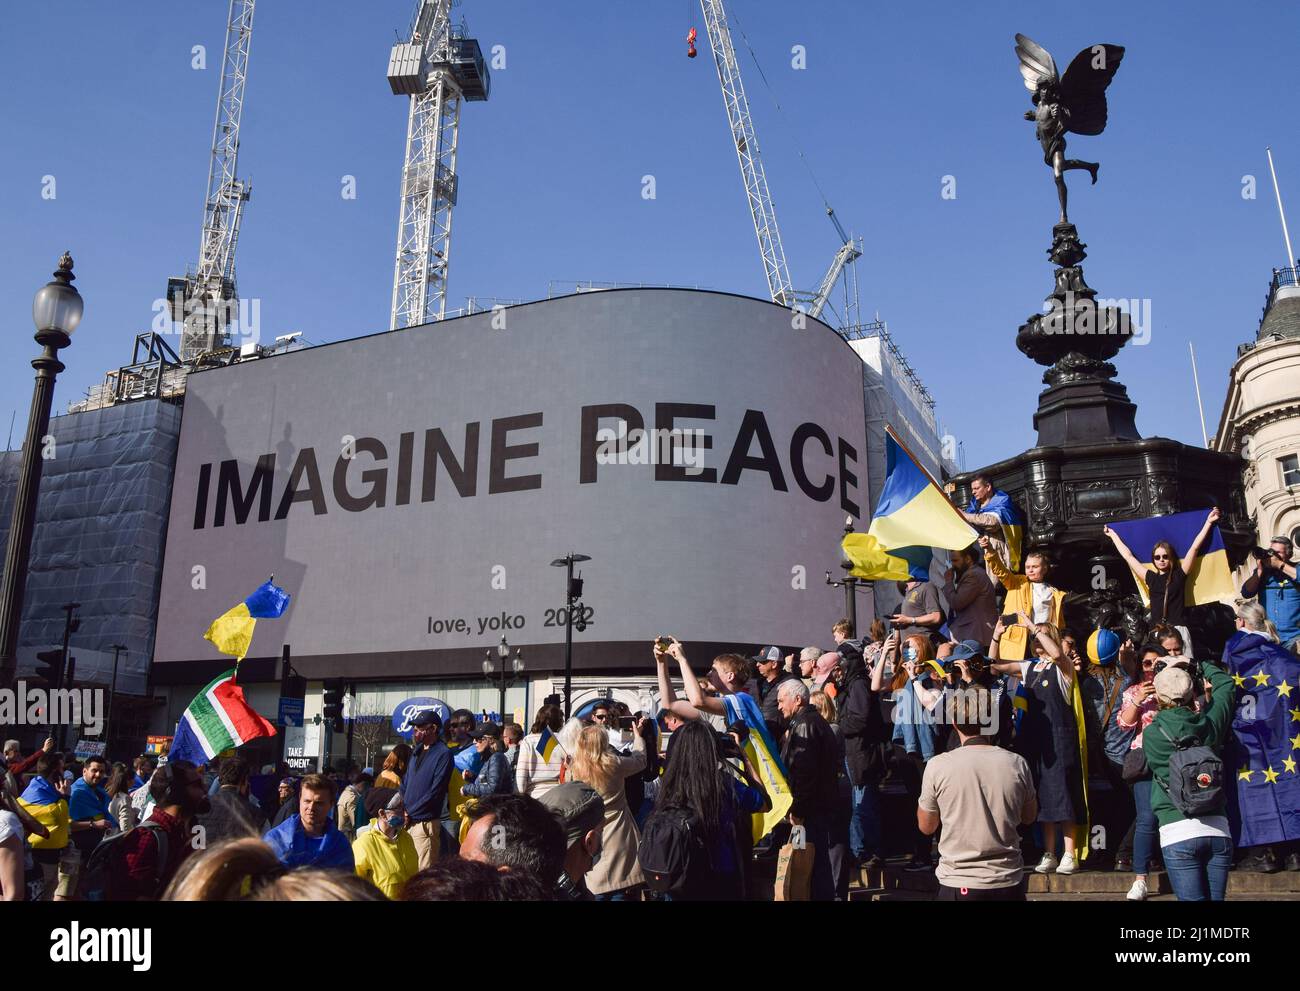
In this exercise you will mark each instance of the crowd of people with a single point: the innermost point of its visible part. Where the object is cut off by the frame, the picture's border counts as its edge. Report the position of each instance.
(998, 734)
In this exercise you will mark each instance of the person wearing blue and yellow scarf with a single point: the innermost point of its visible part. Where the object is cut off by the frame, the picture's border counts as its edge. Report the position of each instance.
(992, 512)
(46, 800)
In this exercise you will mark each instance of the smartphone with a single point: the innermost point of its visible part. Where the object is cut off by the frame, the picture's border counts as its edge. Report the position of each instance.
(1010, 619)
(663, 643)
(626, 722)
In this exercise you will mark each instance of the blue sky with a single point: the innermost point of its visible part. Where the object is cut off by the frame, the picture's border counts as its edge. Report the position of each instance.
(597, 94)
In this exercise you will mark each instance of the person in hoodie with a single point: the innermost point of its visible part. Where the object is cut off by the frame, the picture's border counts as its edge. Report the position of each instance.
(309, 838)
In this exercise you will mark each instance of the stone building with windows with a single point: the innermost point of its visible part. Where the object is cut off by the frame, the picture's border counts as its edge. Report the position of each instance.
(1261, 413)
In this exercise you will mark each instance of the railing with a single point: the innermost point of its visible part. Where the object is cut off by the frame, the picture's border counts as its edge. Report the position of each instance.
(1282, 277)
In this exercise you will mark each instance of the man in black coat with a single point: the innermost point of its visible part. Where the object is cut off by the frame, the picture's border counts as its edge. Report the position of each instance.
(862, 725)
(810, 754)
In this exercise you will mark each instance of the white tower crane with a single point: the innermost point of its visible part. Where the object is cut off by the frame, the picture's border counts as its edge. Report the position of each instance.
(755, 178)
(437, 69)
(751, 164)
(205, 297)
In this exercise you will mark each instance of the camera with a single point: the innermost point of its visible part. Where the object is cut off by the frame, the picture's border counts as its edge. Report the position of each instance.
(1192, 667)
(663, 643)
(1261, 553)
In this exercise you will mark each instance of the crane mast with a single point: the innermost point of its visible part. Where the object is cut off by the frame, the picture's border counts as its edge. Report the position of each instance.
(751, 164)
(436, 69)
(204, 299)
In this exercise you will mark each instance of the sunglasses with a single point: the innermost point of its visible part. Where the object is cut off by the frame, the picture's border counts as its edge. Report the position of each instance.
(1160, 557)
(599, 717)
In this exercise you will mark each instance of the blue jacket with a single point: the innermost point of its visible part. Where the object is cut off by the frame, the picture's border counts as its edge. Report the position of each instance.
(295, 848)
(912, 726)
(424, 785)
(494, 779)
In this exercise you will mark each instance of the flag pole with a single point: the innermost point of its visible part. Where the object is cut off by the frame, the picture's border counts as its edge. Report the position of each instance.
(1196, 381)
(898, 440)
(1291, 260)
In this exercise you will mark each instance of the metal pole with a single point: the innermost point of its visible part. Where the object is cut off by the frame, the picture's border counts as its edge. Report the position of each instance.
(352, 690)
(13, 584)
(1291, 260)
(568, 640)
(1196, 381)
(112, 694)
(67, 672)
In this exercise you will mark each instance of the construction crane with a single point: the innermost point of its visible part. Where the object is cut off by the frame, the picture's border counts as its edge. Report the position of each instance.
(754, 176)
(436, 68)
(205, 297)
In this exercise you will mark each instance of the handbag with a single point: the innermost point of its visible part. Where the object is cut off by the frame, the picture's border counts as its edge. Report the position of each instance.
(1135, 767)
(794, 866)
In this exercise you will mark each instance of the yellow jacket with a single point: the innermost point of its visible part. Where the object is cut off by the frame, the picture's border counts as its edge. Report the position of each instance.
(1020, 598)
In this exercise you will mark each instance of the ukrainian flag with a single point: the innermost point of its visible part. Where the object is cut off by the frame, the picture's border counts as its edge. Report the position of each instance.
(44, 804)
(546, 744)
(1013, 524)
(232, 631)
(763, 751)
(912, 517)
(1210, 579)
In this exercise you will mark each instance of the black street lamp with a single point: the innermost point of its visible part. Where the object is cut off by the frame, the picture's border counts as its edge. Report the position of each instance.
(56, 311)
(851, 584)
(511, 671)
(572, 592)
(118, 650)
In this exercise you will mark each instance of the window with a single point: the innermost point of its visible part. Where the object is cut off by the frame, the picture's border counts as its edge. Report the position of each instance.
(1290, 470)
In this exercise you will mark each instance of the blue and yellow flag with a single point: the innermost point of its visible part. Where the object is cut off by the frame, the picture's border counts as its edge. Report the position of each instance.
(1210, 579)
(546, 744)
(1013, 524)
(232, 631)
(912, 517)
(763, 751)
(1263, 752)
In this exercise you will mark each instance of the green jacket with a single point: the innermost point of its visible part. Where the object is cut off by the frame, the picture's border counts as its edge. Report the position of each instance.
(1210, 727)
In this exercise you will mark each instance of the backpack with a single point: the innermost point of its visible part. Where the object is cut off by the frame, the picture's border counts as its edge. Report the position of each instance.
(97, 875)
(1195, 783)
(671, 850)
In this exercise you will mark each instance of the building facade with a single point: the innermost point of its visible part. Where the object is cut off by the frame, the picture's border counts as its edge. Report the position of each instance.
(1261, 414)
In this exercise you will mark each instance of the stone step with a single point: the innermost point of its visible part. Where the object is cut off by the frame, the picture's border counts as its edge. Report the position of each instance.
(1242, 883)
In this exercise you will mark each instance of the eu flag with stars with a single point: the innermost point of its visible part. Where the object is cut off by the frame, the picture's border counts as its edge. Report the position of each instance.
(1265, 746)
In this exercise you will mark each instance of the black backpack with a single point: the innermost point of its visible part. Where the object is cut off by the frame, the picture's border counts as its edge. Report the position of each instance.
(97, 875)
(671, 851)
(1195, 783)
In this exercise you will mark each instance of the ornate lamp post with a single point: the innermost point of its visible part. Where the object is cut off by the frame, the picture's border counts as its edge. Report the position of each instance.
(510, 672)
(56, 311)
(850, 584)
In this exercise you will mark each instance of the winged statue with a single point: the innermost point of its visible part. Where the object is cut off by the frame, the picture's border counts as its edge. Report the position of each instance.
(1075, 102)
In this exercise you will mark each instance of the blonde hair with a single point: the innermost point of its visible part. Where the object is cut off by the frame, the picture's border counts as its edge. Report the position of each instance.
(248, 870)
(1053, 634)
(594, 762)
(824, 704)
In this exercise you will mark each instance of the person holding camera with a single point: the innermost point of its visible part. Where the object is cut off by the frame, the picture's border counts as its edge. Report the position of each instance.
(1274, 584)
(862, 727)
(1137, 710)
(972, 605)
(1028, 594)
(1166, 579)
(1049, 738)
(1188, 798)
